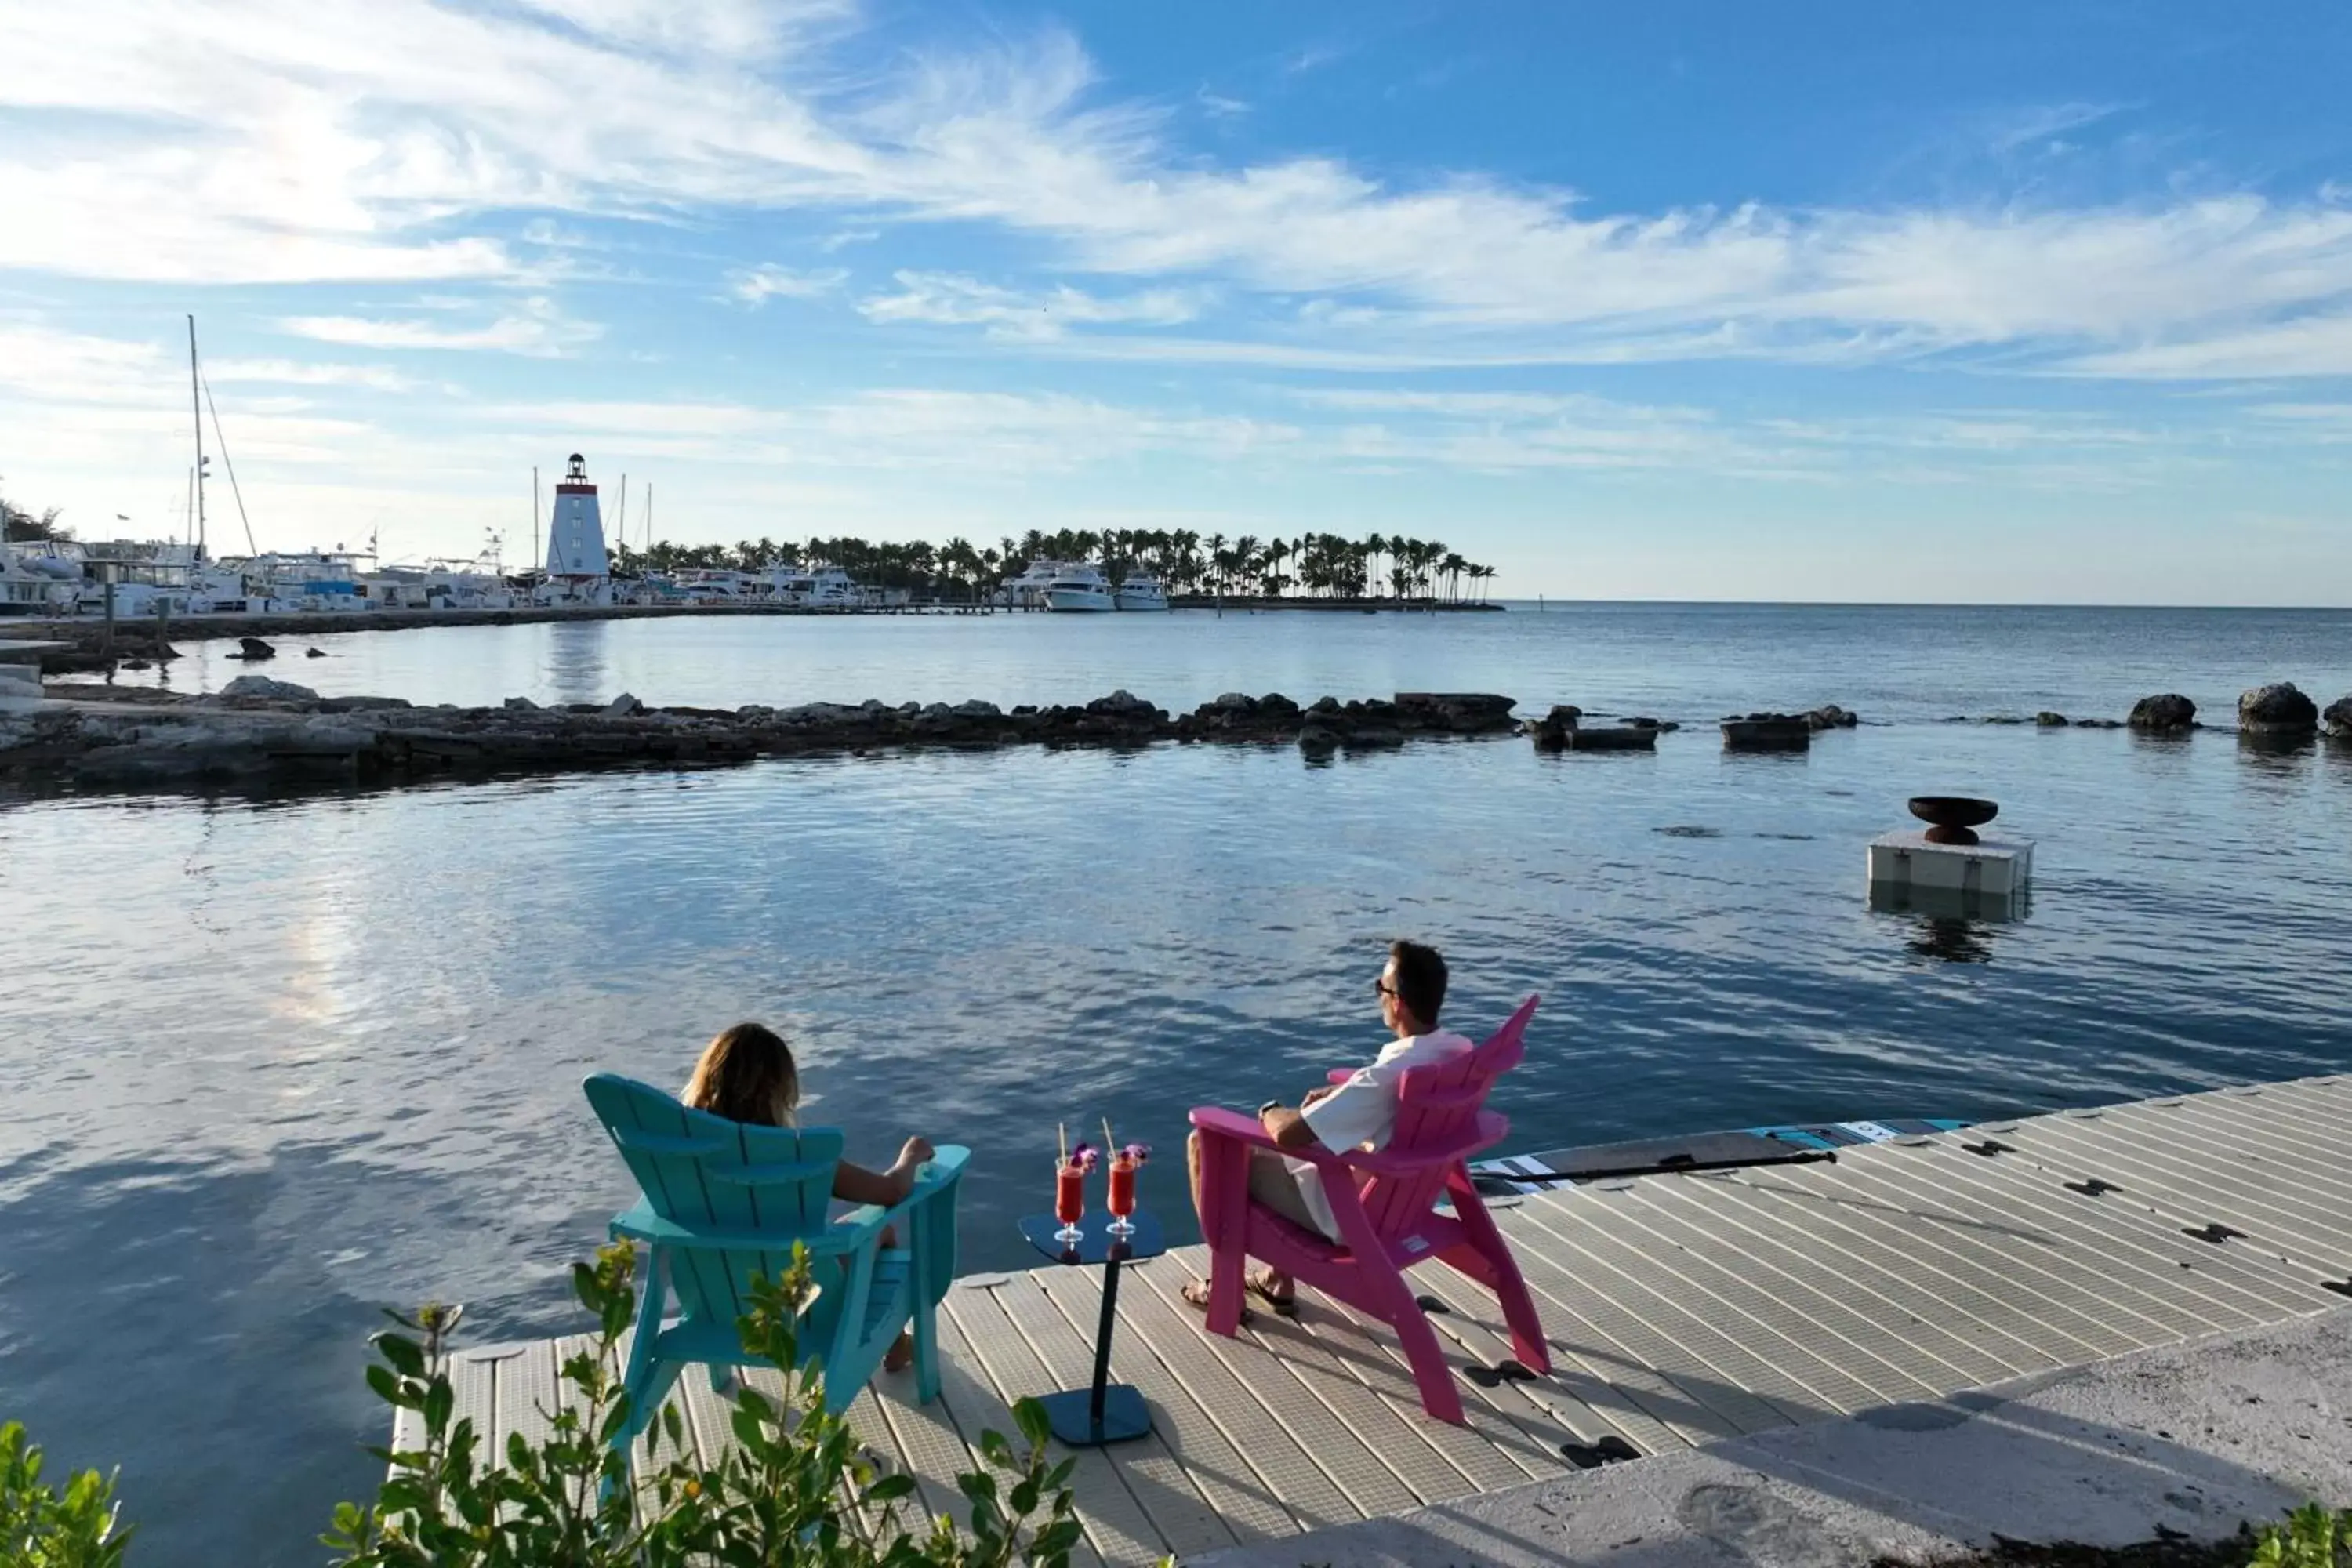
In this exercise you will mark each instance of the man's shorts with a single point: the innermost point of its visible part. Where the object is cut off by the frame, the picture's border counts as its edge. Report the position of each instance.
(1272, 1183)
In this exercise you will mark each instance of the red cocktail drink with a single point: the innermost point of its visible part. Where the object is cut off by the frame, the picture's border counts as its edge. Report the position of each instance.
(1069, 1200)
(1122, 1195)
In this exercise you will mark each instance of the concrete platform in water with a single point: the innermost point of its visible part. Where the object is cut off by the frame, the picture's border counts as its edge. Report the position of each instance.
(1683, 1311)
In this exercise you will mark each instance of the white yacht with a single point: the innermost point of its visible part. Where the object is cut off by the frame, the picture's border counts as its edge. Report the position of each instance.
(1027, 591)
(1079, 588)
(23, 591)
(818, 587)
(1138, 592)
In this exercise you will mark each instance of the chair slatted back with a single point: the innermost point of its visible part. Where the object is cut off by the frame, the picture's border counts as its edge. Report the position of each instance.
(708, 1173)
(1437, 1107)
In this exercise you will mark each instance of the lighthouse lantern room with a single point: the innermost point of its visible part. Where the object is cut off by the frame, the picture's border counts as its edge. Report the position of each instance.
(575, 534)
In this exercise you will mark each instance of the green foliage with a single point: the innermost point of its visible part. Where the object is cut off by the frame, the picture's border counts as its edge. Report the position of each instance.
(40, 1529)
(2312, 1537)
(1319, 564)
(783, 1494)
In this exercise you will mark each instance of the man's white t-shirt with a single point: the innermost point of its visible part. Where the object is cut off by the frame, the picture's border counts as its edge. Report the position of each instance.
(1362, 1111)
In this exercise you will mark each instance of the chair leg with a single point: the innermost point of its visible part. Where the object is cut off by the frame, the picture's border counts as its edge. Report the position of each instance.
(1491, 1264)
(926, 1349)
(1223, 1199)
(1439, 1397)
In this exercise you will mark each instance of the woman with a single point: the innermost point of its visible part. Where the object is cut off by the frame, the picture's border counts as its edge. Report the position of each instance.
(747, 1074)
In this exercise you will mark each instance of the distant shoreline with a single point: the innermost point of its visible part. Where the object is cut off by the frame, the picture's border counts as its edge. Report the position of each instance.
(1368, 607)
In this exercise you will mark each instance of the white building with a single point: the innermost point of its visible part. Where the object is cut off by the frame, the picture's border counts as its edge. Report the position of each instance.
(577, 568)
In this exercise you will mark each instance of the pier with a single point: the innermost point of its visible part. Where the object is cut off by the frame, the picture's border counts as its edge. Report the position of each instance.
(1681, 1310)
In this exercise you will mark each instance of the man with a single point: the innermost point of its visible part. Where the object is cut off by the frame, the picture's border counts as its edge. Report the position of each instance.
(1358, 1112)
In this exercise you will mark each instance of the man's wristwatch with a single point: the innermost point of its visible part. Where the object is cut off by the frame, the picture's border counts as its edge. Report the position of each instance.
(1269, 1105)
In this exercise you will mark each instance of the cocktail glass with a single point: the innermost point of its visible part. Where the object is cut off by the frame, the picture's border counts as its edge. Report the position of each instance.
(1069, 1201)
(1122, 1197)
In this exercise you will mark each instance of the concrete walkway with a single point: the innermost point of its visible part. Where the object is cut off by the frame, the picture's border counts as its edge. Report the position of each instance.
(2194, 1439)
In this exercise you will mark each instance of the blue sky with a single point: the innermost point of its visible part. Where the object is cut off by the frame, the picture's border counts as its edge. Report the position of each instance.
(2046, 302)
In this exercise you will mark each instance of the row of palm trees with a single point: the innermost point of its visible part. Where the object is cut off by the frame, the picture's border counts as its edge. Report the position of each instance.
(1320, 565)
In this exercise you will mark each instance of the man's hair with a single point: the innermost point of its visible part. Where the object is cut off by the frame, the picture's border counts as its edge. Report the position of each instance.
(1420, 979)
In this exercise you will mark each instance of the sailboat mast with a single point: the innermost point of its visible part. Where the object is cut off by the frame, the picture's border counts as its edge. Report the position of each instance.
(196, 408)
(535, 556)
(649, 514)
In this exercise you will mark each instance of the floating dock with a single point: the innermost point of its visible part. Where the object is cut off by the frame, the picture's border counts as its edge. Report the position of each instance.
(1681, 1310)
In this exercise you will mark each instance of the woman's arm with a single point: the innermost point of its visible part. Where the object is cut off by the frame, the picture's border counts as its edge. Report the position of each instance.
(856, 1184)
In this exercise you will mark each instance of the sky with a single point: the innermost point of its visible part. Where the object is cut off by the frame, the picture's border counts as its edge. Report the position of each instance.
(2010, 302)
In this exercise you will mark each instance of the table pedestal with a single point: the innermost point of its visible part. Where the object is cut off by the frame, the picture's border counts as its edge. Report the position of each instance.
(1105, 1412)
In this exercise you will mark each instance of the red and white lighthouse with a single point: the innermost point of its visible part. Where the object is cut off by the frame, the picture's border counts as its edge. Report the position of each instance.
(575, 534)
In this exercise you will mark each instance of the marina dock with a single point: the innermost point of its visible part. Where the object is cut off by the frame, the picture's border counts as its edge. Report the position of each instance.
(1681, 1310)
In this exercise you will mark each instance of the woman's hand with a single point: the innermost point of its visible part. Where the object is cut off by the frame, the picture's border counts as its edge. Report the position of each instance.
(917, 1151)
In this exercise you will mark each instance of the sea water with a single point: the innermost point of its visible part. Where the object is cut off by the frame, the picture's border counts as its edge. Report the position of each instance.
(274, 1065)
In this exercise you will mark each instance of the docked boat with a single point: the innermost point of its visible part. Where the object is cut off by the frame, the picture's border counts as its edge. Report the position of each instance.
(1137, 592)
(35, 584)
(817, 587)
(1079, 588)
(1027, 591)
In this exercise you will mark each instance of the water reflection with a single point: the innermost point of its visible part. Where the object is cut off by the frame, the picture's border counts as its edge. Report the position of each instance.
(1950, 925)
(576, 660)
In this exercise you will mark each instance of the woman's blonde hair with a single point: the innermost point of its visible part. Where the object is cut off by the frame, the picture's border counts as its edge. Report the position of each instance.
(747, 1074)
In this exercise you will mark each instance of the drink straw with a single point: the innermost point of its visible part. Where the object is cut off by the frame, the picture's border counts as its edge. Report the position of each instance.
(1062, 1131)
(1109, 1143)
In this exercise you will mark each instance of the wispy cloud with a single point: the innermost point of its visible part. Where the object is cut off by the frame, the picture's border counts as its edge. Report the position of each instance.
(952, 298)
(757, 285)
(292, 373)
(538, 329)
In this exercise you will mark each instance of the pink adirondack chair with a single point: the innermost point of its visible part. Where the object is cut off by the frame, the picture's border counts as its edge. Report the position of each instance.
(1385, 1202)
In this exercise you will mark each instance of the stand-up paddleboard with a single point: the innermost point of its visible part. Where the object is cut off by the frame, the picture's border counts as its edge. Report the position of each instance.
(1791, 1146)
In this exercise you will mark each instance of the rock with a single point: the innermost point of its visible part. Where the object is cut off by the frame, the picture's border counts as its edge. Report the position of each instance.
(314, 653)
(360, 704)
(1551, 733)
(2050, 720)
(521, 705)
(1457, 712)
(1276, 703)
(2339, 717)
(254, 648)
(1615, 737)
(974, 707)
(2277, 710)
(1315, 741)
(1833, 717)
(274, 690)
(2168, 712)
(2098, 723)
(1374, 737)
(1233, 702)
(1122, 703)
(1768, 732)
(623, 705)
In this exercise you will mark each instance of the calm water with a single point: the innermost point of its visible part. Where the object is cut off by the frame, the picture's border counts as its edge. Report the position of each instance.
(274, 1065)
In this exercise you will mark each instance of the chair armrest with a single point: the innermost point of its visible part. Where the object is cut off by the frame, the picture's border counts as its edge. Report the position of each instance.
(641, 1224)
(1217, 1121)
(1488, 1130)
(946, 1163)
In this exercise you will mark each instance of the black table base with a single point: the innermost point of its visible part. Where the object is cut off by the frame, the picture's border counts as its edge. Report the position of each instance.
(1105, 1412)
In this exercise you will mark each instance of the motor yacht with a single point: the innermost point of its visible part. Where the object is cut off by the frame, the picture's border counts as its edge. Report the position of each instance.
(1079, 588)
(1137, 592)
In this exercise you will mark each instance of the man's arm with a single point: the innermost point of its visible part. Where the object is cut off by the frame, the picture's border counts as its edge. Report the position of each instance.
(1286, 1126)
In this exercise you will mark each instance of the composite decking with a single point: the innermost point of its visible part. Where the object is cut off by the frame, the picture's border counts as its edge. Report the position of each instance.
(1681, 1310)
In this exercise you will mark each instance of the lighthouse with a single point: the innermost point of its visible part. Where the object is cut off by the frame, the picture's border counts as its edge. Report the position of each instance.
(575, 535)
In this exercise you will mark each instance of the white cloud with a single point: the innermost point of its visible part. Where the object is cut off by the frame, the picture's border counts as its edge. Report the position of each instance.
(954, 299)
(259, 141)
(538, 329)
(2309, 346)
(757, 285)
(291, 372)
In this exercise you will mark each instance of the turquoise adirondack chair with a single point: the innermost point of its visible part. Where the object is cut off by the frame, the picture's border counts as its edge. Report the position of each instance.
(724, 1201)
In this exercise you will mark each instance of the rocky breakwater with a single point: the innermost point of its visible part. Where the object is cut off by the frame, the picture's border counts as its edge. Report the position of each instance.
(258, 731)
(1563, 729)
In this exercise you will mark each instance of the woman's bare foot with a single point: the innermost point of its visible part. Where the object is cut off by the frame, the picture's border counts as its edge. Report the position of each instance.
(902, 1355)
